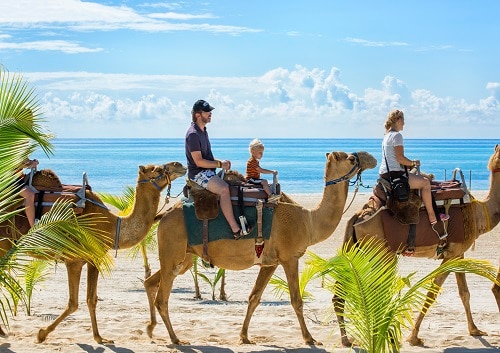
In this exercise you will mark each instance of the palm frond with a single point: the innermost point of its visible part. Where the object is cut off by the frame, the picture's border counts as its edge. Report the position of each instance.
(60, 234)
(378, 301)
(280, 285)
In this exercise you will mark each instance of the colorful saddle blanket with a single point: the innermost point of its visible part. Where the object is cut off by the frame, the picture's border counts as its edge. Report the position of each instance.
(218, 228)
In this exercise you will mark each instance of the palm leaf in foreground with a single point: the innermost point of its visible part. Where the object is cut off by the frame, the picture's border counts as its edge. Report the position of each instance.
(378, 301)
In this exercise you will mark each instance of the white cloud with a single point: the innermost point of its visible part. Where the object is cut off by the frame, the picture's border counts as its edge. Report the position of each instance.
(48, 45)
(280, 103)
(371, 43)
(85, 16)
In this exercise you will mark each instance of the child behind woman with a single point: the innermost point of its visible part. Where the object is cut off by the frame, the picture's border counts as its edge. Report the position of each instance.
(254, 170)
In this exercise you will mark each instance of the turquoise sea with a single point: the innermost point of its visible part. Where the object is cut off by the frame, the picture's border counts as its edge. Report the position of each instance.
(112, 164)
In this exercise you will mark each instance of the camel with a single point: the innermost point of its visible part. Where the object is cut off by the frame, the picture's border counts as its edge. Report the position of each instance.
(152, 179)
(484, 216)
(294, 229)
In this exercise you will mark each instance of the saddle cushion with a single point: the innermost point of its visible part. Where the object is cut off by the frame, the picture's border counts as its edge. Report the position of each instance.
(396, 234)
(445, 190)
(218, 228)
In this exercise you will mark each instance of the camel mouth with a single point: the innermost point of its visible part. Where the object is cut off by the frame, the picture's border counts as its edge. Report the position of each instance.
(366, 160)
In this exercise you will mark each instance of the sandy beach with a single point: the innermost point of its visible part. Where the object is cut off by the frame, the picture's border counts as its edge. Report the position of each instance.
(213, 326)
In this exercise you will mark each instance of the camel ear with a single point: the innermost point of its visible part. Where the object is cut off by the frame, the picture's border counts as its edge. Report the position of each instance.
(141, 168)
(327, 154)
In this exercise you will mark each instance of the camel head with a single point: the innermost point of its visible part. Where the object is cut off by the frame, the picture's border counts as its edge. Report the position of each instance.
(341, 166)
(161, 175)
(494, 162)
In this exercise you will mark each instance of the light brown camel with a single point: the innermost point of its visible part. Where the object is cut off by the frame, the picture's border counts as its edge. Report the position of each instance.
(294, 228)
(152, 179)
(484, 216)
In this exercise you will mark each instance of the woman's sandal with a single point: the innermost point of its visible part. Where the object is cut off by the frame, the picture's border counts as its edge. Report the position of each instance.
(240, 234)
(443, 217)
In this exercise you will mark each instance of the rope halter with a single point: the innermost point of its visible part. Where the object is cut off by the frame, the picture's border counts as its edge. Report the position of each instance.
(355, 170)
(163, 174)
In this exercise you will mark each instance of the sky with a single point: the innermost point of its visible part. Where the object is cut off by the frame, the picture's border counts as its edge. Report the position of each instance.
(271, 69)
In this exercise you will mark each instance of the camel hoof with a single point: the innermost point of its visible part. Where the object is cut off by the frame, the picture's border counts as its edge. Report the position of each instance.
(101, 340)
(149, 330)
(42, 335)
(415, 341)
(181, 343)
(313, 342)
(346, 343)
(478, 332)
(245, 340)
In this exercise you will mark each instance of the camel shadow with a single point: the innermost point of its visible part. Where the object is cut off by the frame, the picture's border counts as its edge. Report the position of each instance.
(5, 348)
(90, 349)
(272, 349)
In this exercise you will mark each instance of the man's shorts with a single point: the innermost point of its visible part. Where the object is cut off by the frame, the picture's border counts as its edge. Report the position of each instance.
(203, 177)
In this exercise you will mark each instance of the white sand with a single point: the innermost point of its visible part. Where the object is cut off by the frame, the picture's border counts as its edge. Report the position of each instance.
(213, 326)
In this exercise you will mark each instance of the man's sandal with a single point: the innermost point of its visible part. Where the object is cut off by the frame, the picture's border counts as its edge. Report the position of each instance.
(240, 233)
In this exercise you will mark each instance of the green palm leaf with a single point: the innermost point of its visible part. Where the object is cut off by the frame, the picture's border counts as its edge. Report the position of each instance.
(378, 301)
(60, 234)
(280, 285)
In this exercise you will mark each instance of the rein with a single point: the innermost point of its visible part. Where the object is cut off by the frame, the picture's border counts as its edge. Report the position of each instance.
(495, 171)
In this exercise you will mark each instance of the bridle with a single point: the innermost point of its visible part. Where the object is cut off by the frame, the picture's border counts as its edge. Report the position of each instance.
(162, 175)
(356, 169)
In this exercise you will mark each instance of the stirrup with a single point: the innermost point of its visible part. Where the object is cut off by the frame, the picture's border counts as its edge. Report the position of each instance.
(440, 236)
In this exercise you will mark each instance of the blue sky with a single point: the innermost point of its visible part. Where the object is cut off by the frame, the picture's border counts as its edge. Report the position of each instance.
(316, 68)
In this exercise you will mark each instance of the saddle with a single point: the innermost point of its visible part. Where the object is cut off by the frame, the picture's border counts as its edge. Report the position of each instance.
(401, 218)
(243, 195)
(48, 189)
(49, 192)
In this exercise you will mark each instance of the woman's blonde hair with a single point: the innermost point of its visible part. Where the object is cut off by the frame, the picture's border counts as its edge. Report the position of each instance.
(392, 118)
(255, 144)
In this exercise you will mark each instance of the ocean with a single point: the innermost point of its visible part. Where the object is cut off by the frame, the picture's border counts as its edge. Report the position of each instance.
(112, 164)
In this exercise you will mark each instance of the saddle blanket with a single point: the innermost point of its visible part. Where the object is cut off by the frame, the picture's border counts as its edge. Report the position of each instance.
(396, 234)
(218, 228)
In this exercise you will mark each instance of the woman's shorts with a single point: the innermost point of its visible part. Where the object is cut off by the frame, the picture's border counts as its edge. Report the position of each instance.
(203, 177)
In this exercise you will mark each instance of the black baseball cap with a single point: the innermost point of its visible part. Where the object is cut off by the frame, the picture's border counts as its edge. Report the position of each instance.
(202, 105)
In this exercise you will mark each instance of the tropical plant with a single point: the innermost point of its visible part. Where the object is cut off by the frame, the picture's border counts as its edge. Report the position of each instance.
(378, 301)
(60, 234)
(36, 272)
(218, 275)
(281, 285)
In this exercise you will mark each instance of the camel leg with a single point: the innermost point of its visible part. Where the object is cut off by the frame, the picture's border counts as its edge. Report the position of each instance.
(292, 275)
(168, 271)
(167, 277)
(263, 278)
(74, 270)
(413, 338)
(223, 295)
(496, 290)
(463, 291)
(151, 286)
(92, 278)
(338, 306)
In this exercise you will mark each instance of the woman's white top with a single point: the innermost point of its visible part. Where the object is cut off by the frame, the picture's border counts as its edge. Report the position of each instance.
(391, 139)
